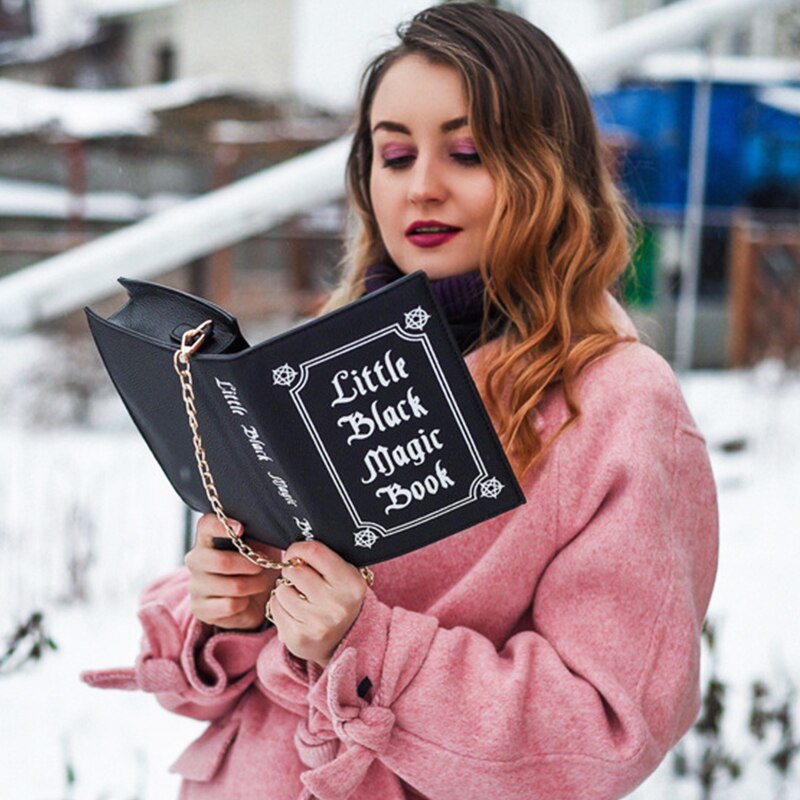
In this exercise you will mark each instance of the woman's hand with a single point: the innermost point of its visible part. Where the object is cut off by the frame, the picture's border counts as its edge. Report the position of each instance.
(319, 604)
(226, 589)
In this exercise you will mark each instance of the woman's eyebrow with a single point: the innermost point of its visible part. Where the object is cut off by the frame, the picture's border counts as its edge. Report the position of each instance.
(453, 124)
(397, 127)
(394, 127)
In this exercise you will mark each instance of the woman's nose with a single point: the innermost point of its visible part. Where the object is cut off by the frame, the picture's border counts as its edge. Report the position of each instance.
(427, 184)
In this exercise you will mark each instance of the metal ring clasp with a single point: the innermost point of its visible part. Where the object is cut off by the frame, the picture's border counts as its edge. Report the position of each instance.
(192, 340)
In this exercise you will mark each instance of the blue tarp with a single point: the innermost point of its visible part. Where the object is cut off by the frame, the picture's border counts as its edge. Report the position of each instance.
(751, 145)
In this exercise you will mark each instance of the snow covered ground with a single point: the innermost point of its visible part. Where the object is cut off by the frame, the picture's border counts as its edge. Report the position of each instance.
(86, 518)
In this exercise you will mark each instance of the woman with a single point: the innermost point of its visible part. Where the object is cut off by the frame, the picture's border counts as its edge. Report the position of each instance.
(551, 652)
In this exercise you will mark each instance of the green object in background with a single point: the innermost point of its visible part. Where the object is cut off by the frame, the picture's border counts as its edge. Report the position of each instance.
(639, 283)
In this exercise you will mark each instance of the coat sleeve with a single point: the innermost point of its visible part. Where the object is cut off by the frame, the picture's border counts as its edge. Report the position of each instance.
(600, 680)
(188, 667)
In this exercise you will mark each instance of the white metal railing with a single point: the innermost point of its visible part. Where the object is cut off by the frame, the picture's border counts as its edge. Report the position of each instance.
(683, 23)
(229, 215)
(171, 238)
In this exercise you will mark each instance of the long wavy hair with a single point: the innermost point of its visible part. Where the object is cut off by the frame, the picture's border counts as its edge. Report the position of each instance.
(559, 236)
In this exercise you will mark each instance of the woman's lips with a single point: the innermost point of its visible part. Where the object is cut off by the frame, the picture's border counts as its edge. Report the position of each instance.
(430, 233)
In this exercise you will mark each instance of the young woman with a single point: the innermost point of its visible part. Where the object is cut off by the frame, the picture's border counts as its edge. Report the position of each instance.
(551, 652)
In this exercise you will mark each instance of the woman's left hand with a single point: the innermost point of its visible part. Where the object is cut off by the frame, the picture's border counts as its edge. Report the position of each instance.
(317, 603)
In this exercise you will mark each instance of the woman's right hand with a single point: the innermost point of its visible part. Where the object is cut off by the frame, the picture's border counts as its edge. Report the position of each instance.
(226, 589)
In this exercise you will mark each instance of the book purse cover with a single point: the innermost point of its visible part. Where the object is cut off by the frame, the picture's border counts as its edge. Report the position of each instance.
(361, 428)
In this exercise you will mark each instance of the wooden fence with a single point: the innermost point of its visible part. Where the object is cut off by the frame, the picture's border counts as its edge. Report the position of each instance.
(764, 297)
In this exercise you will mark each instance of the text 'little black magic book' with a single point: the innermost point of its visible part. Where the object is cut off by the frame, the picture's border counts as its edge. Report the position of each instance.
(361, 428)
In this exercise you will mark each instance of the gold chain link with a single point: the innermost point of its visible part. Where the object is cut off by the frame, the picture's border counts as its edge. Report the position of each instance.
(190, 344)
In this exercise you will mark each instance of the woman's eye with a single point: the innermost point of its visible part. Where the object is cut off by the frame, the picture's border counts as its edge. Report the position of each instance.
(467, 157)
(397, 162)
(397, 156)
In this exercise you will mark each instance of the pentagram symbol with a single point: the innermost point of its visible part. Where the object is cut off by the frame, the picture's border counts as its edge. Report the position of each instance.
(365, 538)
(284, 376)
(491, 488)
(417, 318)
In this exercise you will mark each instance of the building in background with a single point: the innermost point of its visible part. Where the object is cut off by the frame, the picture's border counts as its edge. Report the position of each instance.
(266, 79)
(303, 48)
(15, 20)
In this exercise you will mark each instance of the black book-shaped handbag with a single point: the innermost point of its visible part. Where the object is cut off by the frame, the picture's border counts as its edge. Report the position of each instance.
(361, 428)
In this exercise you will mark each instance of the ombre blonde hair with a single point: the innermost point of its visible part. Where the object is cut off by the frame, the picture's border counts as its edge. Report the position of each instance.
(558, 240)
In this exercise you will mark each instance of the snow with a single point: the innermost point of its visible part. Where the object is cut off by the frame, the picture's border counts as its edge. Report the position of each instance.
(110, 8)
(85, 513)
(46, 201)
(38, 48)
(784, 98)
(63, 25)
(65, 21)
(119, 744)
(67, 490)
(170, 239)
(757, 594)
(693, 65)
(85, 114)
(58, 24)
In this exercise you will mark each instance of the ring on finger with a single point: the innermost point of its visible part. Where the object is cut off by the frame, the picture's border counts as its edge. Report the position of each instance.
(368, 575)
(286, 582)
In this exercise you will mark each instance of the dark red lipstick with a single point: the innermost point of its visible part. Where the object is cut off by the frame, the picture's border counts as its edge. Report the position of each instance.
(430, 232)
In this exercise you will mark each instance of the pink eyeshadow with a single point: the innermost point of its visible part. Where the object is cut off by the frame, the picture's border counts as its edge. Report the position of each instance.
(464, 146)
(389, 152)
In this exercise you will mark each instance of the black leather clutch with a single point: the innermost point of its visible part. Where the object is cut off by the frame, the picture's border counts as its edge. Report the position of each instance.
(362, 427)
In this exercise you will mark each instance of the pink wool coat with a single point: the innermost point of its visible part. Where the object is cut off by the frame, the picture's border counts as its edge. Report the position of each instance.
(550, 653)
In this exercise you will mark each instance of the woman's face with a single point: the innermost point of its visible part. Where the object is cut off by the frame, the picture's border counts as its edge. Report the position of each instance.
(432, 196)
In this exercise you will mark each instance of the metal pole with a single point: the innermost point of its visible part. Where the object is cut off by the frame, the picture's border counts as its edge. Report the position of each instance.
(686, 317)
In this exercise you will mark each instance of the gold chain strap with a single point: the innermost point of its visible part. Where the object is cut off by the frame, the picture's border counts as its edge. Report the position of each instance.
(191, 341)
